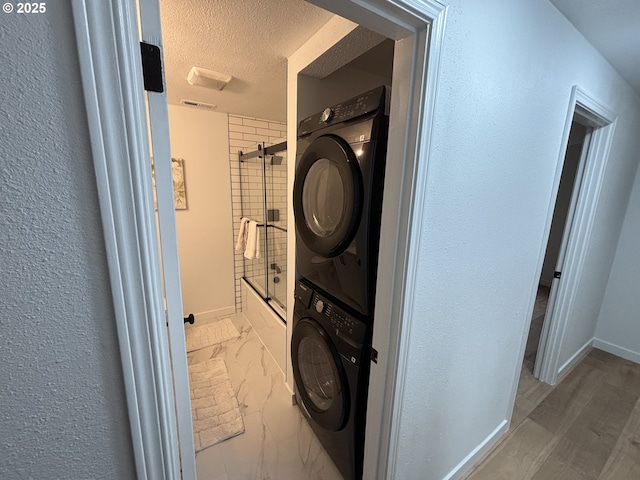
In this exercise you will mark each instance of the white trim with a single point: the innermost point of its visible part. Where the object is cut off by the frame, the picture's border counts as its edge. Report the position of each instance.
(577, 236)
(112, 82)
(151, 32)
(617, 350)
(217, 313)
(464, 467)
(575, 359)
(417, 154)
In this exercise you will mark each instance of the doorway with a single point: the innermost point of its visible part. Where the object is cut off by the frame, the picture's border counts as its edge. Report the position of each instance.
(111, 75)
(551, 271)
(239, 355)
(592, 126)
(309, 82)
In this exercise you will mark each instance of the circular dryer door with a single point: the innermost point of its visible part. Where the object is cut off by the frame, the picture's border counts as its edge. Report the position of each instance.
(327, 196)
(320, 378)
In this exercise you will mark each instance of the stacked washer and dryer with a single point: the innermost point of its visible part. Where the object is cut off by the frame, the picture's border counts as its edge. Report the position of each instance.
(337, 200)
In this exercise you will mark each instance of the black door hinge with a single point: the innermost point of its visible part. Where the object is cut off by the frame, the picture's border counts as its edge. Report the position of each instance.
(151, 67)
(556, 274)
(374, 355)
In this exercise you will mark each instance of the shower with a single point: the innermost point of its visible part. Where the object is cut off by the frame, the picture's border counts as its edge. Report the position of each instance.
(263, 188)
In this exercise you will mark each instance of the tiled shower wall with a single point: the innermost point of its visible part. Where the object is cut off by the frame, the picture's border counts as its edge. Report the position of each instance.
(245, 133)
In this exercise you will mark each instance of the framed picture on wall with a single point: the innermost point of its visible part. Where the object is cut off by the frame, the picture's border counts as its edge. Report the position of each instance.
(179, 186)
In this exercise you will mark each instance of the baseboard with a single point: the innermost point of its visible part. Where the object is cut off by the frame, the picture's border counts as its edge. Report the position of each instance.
(574, 360)
(218, 312)
(478, 453)
(617, 350)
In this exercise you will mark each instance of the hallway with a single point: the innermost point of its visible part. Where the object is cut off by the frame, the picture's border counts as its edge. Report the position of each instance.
(586, 427)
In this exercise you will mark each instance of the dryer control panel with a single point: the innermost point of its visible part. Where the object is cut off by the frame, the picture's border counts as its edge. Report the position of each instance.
(355, 107)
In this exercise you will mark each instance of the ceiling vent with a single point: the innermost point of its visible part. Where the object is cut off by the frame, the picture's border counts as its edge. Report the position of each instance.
(191, 103)
(208, 78)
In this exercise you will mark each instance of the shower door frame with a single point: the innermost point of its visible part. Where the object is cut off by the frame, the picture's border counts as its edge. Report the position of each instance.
(261, 153)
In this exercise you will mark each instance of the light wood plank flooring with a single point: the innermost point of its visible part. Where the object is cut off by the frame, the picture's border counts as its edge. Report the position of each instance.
(587, 427)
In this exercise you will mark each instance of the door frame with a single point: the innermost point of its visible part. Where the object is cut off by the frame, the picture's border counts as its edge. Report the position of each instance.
(418, 29)
(110, 66)
(111, 74)
(577, 233)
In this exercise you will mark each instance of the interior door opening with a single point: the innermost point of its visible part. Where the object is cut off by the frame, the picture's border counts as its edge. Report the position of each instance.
(572, 170)
(368, 61)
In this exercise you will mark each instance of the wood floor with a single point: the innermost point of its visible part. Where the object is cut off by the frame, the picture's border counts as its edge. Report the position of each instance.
(587, 427)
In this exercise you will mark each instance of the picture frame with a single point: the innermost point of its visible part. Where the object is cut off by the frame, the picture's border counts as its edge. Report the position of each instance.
(179, 184)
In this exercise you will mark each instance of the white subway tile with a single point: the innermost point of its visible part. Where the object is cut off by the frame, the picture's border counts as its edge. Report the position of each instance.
(244, 128)
(255, 123)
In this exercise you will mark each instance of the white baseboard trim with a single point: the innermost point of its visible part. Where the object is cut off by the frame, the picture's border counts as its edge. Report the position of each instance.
(574, 360)
(218, 312)
(479, 452)
(617, 350)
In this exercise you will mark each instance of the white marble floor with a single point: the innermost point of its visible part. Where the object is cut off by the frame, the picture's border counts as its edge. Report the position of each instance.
(278, 443)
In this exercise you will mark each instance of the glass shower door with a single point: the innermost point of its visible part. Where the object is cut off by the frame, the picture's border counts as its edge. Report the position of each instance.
(252, 188)
(263, 188)
(276, 209)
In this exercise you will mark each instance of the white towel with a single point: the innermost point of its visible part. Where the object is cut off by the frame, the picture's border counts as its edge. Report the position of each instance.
(241, 243)
(253, 241)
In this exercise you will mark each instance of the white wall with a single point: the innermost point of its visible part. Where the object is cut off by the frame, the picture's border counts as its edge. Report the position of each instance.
(64, 412)
(618, 329)
(205, 231)
(488, 197)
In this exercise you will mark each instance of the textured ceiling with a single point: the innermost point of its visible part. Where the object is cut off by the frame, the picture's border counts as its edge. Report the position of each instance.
(612, 27)
(248, 39)
(251, 39)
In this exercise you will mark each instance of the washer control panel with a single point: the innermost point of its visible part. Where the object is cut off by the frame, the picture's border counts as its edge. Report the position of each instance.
(342, 324)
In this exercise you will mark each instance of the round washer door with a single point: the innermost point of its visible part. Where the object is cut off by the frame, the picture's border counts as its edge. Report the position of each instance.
(319, 375)
(327, 196)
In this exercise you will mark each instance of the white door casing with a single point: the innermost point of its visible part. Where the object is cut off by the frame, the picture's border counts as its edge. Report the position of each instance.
(111, 71)
(110, 66)
(151, 32)
(418, 28)
(575, 241)
(107, 34)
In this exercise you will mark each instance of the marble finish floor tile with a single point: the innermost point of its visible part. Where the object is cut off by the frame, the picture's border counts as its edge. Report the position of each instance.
(278, 443)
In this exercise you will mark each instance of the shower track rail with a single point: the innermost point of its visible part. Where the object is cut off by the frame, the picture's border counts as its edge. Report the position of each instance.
(262, 151)
(270, 225)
